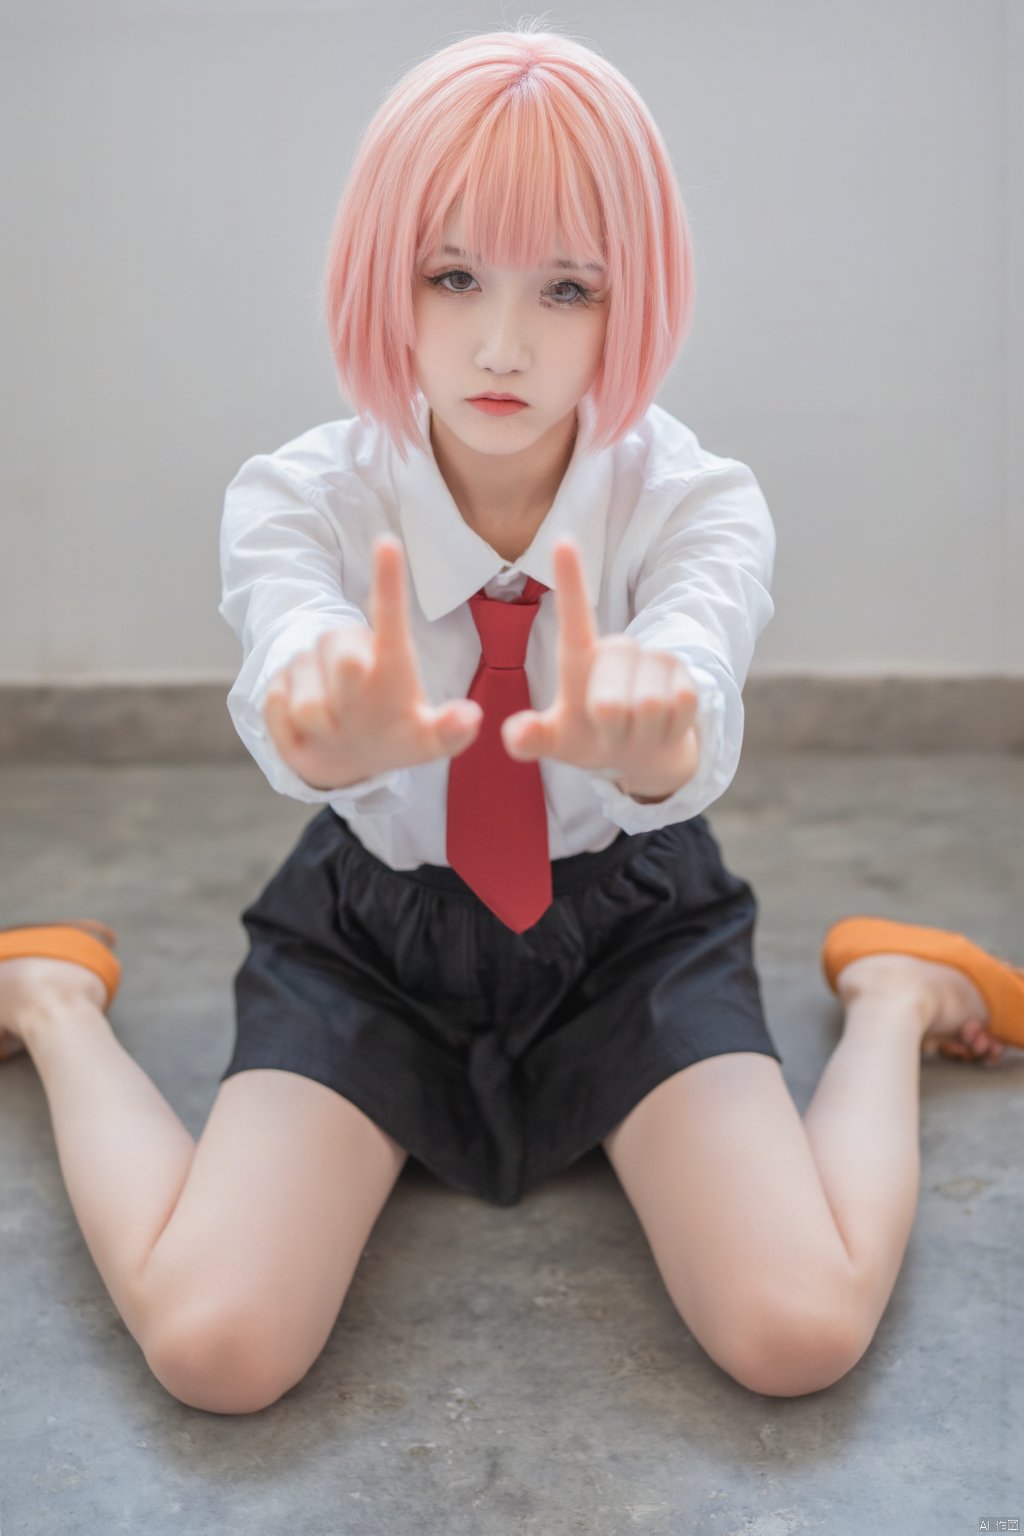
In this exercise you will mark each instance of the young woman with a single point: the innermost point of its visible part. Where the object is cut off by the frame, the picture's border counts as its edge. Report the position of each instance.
(501, 644)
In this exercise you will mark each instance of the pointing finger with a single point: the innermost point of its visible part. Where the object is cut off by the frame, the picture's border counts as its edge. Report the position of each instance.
(575, 616)
(388, 602)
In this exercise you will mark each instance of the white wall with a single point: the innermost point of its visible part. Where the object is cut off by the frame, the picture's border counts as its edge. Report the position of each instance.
(854, 178)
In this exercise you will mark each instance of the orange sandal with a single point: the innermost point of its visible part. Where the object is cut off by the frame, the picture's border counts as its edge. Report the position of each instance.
(81, 940)
(1000, 984)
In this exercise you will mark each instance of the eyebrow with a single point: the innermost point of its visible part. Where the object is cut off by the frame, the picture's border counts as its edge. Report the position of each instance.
(573, 266)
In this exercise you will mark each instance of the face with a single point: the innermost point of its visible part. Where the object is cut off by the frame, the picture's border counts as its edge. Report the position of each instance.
(480, 329)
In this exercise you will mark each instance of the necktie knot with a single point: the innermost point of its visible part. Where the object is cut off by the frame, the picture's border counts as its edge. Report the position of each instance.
(504, 627)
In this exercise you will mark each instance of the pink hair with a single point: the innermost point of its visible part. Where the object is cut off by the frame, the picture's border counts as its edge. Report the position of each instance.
(539, 139)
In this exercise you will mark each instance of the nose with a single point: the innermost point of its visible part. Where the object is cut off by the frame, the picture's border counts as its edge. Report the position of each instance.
(504, 343)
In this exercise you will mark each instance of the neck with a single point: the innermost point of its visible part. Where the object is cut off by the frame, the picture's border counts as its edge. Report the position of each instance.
(504, 498)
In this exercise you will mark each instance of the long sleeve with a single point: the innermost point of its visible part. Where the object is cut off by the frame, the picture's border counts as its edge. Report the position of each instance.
(281, 583)
(703, 593)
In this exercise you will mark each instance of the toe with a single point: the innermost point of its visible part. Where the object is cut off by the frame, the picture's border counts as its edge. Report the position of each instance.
(974, 1042)
(966, 1043)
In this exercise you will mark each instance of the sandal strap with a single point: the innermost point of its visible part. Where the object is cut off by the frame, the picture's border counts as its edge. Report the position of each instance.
(1000, 984)
(63, 941)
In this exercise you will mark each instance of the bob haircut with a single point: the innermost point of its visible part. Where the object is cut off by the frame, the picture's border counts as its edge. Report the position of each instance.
(538, 140)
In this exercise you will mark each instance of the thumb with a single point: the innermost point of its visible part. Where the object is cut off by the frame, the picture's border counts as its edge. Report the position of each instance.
(525, 735)
(457, 725)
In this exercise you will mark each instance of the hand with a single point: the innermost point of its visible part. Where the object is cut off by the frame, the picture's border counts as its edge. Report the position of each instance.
(352, 706)
(619, 706)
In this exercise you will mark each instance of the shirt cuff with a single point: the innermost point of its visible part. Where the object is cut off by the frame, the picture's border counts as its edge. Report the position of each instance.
(691, 798)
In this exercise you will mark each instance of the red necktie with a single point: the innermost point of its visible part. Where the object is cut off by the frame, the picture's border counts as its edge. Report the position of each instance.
(497, 837)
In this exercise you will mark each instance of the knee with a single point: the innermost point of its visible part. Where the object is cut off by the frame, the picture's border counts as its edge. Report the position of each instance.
(785, 1348)
(222, 1360)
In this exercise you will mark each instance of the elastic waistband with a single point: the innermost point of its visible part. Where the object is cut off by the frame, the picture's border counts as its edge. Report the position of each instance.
(567, 874)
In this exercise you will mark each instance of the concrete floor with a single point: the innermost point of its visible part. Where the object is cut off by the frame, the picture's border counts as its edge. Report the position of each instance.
(521, 1370)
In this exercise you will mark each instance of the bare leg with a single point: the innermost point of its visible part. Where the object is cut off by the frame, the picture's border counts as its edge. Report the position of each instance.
(228, 1260)
(863, 1121)
(123, 1152)
(778, 1239)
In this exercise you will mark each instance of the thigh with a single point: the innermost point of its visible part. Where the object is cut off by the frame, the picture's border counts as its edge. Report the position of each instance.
(287, 1182)
(718, 1168)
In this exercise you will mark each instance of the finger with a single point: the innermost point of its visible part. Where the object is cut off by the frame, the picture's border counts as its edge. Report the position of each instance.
(388, 604)
(455, 725)
(310, 710)
(527, 735)
(656, 711)
(277, 714)
(577, 629)
(610, 690)
(683, 712)
(347, 657)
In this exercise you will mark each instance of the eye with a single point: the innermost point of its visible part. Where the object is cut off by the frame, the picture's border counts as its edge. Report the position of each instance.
(442, 277)
(580, 297)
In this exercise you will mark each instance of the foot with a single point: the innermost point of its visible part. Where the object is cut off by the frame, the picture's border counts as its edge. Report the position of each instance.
(33, 985)
(953, 1012)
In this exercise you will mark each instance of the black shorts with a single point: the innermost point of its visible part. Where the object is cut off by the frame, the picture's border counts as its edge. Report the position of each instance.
(496, 1059)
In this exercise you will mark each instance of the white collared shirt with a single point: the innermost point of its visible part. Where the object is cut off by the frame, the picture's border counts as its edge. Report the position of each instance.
(677, 546)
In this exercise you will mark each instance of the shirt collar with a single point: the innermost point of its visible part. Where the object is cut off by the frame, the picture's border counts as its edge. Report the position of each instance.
(449, 562)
